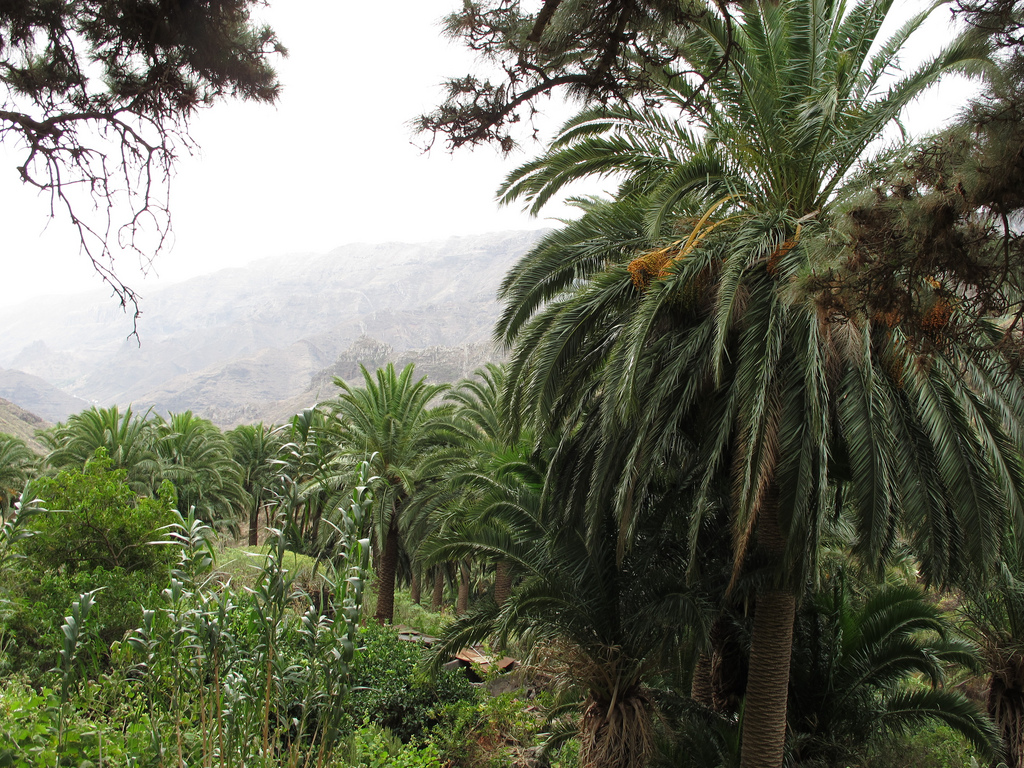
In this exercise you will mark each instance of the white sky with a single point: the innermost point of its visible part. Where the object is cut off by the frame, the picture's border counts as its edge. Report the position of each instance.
(333, 162)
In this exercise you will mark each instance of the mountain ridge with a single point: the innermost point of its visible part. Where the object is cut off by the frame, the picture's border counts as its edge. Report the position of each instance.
(239, 342)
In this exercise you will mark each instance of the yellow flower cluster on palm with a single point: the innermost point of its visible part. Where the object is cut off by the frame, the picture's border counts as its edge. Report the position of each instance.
(654, 265)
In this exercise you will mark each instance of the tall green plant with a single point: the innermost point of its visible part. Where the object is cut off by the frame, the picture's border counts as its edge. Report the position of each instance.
(391, 422)
(701, 303)
(75, 656)
(17, 464)
(260, 683)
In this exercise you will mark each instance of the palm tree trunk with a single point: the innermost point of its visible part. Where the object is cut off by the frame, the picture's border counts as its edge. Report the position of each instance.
(437, 596)
(502, 581)
(763, 740)
(463, 603)
(764, 714)
(1006, 708)
(415, 588)
(254, 526)
(700, 687)
(386, 577)
(314, 534)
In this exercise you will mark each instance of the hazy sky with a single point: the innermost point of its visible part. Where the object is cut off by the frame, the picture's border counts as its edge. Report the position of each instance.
(333, 162)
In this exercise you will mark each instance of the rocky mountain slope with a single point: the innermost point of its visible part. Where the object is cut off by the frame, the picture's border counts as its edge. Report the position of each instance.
(38, 396)
(249, 344)
(20, 423)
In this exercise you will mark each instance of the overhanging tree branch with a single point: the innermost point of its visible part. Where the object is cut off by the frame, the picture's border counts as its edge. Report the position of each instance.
(612, 50)
(98, 96)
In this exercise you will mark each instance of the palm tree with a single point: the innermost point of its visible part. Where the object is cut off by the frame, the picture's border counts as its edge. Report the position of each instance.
(197, 458)
(870, 662)
(317, 475)
(707, 303)
(854, 658)
(129, 441)
(994, 611)
(257, 451)
(605, 625)
(476, 474)
(17, 466)
(389, 422)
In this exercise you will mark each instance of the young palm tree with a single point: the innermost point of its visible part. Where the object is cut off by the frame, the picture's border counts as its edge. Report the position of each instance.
(605, 625)
(389, 421)
(197, 458)
(257, 451)
(853, 661)
(707, 303)
(17, 465)
(128, 439)
(994, 612)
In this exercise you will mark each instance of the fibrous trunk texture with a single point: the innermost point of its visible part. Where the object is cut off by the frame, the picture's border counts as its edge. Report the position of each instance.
(438, 594)
(700, 686)
(502, 582)
(254, 527)
(386, 578)
(1006, 708)
(728, 667)
(414, 587)
(463, 603)
(617, 734)
(314, 533)
(764, 714)
(763, 740)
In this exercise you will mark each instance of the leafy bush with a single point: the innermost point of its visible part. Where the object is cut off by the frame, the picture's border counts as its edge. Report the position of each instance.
(93, 519)
(372, 746)
(89, 530)
(31, 624)
(931, 746)
(392, 692)
(29, 733)
(491, 731)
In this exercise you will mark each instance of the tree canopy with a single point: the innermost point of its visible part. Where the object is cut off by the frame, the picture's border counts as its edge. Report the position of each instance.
(610, 50)
(689, 317)
(97, 97)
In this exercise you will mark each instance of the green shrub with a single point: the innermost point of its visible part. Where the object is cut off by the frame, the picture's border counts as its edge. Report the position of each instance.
(392, 692)
(372, 746)
(31, 623)
(89, 530)
(493, 731)
(29, 733)
(930, 746)
(92, 519)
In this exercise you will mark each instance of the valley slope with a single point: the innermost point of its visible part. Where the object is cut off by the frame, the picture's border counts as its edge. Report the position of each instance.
(260, 342)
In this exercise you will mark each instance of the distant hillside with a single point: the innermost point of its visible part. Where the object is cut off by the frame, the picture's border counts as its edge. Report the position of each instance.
(236, 344)
(38, 396)
(437, 364)
(20, 423)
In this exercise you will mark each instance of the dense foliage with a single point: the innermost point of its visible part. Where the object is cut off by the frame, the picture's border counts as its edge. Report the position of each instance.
(763, 403)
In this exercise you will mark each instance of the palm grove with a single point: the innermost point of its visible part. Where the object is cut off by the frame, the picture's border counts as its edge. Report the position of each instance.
(775, 369)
